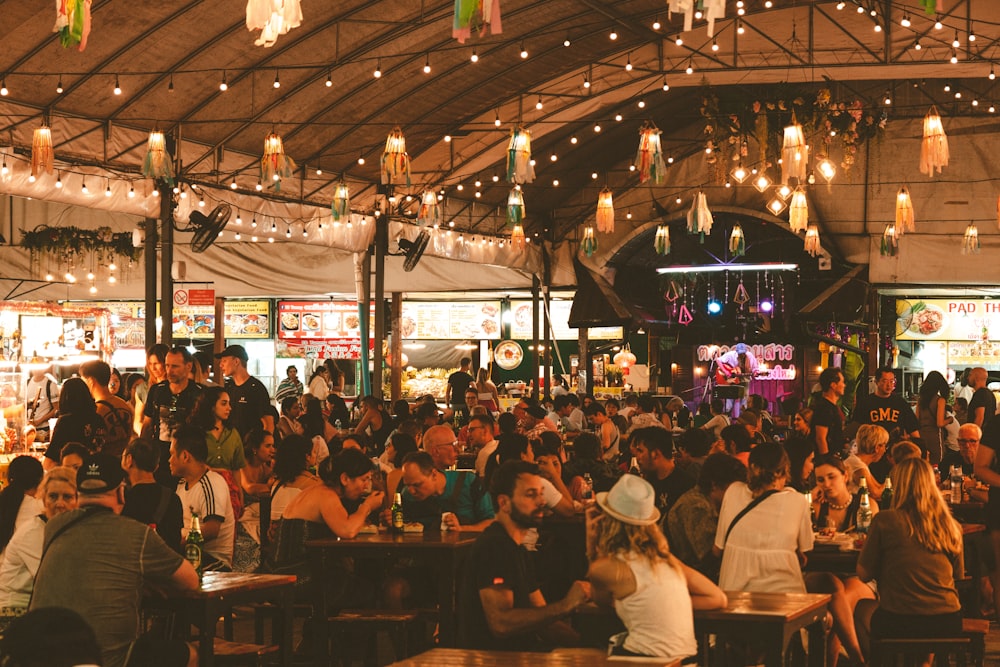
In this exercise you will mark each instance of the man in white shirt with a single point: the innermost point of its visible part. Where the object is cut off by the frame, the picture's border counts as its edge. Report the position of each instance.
(480, 435)
(41, 397)
(205, 492)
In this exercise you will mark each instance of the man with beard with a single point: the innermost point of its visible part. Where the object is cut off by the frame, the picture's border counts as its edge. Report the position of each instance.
(501, 606)
(168, 406)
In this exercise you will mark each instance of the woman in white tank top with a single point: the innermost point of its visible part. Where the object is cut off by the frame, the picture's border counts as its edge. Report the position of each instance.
(632, 569)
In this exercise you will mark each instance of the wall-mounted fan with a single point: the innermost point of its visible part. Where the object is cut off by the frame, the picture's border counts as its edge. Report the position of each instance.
(206, 228)
(413, 250)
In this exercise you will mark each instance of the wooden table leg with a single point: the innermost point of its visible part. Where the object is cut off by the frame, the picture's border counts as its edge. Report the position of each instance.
(817, 643)
(446, 600)
(320, 627)
(206, 639)
(285, 630)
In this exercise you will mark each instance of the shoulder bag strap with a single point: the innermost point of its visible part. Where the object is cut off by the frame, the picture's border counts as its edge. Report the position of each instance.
(161, 508)
(746, 510)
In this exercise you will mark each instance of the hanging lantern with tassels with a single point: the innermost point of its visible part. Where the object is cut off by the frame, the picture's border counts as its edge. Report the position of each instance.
(481, 15)
(737, 242)
(519, 168)
(430, 210)
(970, 242)
(811, 244)
(275, 165)
(515, 206)
(625, 358)
(395, 160)
(589, 242)
(699, 218)
(42, 156)
(605, 212)
(934, 148)
(890, 241)
(649, 157)
(661, 242)
(798, 211)
(341, 206)
(158, 165)
(73, 23)
(272, 18)
(904, 211)
(517, 240)
(794, 153)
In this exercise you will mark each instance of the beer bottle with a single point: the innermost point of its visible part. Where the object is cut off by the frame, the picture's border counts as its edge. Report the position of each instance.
(864, 516)
(194, 545)
(633, 468)
(397, 513)
(886, 502)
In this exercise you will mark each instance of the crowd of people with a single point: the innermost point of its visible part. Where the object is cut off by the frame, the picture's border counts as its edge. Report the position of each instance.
(676, 507)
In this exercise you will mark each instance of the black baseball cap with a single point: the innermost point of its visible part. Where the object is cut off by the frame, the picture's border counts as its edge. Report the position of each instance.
(237, 351)
(99, 473)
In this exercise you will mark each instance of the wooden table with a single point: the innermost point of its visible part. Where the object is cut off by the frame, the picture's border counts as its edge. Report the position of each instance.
(220, 591)
(452, 657)
(441, 551)
(771, 619)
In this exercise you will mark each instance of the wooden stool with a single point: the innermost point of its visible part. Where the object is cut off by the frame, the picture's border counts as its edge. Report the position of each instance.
(396, 623)
(236, 653)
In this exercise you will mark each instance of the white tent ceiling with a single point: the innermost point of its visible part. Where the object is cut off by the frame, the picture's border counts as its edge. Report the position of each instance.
(169, 60)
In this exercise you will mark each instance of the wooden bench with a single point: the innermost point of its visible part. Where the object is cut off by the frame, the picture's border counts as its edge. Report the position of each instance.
(397, 623)
(971, 645)
(237, 653)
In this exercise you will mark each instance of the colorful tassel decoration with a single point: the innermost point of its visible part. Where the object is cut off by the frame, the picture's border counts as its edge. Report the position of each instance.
(430, 210)
(275, 165)
(517, 241)
(970, 242)
(605, 212)
(890, 241)
(699, 218)
(515, 206)
(649, 158)
(73, 23)
(476, 15)
(341, 206)
(737, 242)
(904, 211)
(811, 244)
(159, 164)
(934, 147)
(272, 18)
(519, 169)
(395, 160)
(661, 242)
(42, 155)
(794, 153)
(589, 242)
(798, 211)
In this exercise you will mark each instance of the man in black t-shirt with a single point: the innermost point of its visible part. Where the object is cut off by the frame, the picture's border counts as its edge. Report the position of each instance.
(146, 500)
(828, 420)
(458, 382)
(887, 409)
(168, 406)
(653, 449)
(500, 604)
(983, 404)
(248, 395)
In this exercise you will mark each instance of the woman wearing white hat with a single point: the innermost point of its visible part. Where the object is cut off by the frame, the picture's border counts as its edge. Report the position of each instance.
(631, 568)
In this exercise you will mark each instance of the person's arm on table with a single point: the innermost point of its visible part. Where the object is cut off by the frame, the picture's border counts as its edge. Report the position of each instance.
(704, 593)
(506, 621)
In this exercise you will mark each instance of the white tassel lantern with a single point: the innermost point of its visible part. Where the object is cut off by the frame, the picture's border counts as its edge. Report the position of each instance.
(934, 147)
(904, 211)
(798, 211)
(605, 212)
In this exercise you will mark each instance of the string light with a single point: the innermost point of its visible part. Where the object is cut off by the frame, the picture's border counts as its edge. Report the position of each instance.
(277, 83)
(59, 86)
(474, 57)
(427, 64)
(378, 69)
(329, 80)
(223, 86)
(613, 35)
(496, 119)
(83, 188)
(538, 104)
(524, 51)
(628, 63)
(586, 81)
(118, 88)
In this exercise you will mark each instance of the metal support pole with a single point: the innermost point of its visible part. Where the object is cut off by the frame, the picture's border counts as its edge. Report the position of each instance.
(149, 258)
(166, 263)
(396, 348)
(381, 245)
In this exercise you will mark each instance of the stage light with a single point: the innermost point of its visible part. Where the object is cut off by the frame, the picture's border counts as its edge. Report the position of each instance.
(714, 307)
(766, 306)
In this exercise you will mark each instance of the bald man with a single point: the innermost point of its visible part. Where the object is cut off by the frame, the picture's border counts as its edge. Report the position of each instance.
(983, 405)
(440, 442)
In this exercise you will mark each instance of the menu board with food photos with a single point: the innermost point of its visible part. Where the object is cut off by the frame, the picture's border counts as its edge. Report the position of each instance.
(520, 328)
(476, 320)
(248, 319)
(321, 320)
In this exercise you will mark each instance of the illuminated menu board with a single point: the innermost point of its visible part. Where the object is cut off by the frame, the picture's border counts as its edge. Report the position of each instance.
(520, 327)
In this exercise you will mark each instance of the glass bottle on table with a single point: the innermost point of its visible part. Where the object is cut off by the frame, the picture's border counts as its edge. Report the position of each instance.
(397, 513)
(864, 517)
(886, 501)
(194, 545)
(588, 487)
(955, 480)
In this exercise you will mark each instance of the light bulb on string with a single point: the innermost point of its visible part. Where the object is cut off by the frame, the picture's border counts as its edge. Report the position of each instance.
(427, 64)
(277, 83)
(378, 69)
(329, 80)
(524, 51)
(223, 86)
(59, 86)
(118, 88)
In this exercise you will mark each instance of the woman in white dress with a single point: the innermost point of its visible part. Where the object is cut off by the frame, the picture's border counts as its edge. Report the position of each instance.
(632, 569)
(762, 547)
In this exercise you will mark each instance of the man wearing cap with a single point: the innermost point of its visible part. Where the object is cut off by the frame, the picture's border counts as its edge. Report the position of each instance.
(97, 563)
(205, 492)
(168, 405)
(653, 449)
(248, 395)
(500, 604)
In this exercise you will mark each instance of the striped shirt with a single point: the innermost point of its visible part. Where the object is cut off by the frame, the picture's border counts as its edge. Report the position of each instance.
(209, 497)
